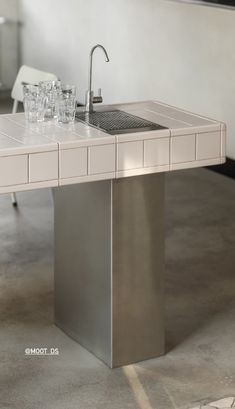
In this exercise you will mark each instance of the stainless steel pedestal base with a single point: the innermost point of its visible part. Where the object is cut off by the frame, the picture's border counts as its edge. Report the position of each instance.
(109, 267)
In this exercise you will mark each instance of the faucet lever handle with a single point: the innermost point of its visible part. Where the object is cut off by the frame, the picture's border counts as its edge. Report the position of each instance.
(98, 99)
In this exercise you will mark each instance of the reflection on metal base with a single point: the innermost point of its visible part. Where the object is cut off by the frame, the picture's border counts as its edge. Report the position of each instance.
(109, 266)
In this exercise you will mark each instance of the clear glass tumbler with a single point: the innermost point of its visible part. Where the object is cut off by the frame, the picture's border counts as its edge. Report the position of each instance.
(68, 90)
(66, 108)
(51, 89)
(34, 103)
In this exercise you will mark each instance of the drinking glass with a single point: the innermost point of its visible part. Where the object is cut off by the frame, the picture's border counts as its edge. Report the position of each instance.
(66, 108)
(34, 103)
(68, 90)
(50, 89)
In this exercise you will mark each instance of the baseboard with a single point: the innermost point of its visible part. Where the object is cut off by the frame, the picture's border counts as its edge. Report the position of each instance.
(227, 168)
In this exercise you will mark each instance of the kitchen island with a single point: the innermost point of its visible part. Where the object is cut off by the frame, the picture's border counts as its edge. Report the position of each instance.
(109, 233)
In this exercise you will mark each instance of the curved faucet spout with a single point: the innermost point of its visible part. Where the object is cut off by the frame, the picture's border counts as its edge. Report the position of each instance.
(102, 48)
(89, 96)
(91, 62)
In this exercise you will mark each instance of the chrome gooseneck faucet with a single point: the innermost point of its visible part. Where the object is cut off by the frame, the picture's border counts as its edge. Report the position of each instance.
(90, 98)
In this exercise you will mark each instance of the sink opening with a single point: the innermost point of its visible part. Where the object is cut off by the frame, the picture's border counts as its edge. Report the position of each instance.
(117, 122)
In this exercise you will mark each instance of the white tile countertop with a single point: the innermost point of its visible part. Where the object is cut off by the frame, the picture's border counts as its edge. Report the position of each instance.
(49, 154)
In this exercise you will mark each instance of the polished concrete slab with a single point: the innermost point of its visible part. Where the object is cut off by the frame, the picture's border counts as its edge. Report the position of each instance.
(200, 307)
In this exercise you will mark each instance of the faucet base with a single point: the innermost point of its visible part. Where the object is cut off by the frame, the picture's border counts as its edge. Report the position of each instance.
(89, 102)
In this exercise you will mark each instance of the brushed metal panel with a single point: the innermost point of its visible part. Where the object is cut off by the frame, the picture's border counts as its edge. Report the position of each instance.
(83, 265)
(109, 267)
(138, 268)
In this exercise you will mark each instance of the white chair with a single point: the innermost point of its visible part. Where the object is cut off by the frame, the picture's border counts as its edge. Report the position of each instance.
(26, 75)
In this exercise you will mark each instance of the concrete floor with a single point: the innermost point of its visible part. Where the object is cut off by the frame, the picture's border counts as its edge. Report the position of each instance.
(200, 305)
(200, 308)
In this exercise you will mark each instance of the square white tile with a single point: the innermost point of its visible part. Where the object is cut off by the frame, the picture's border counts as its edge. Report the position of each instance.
(183, 148)
(13, 170)
(157, 152)
(208, 145)
(43, 166)
(101, 159)
(73, 163)
(130, 155)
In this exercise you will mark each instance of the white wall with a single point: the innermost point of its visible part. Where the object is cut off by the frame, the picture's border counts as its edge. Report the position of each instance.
(174, 52)
(9, 9)
(9, 44)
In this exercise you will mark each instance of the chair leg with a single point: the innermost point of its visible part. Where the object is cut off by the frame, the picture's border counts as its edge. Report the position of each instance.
(14, 200)
(13, 195)
(15, 107)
